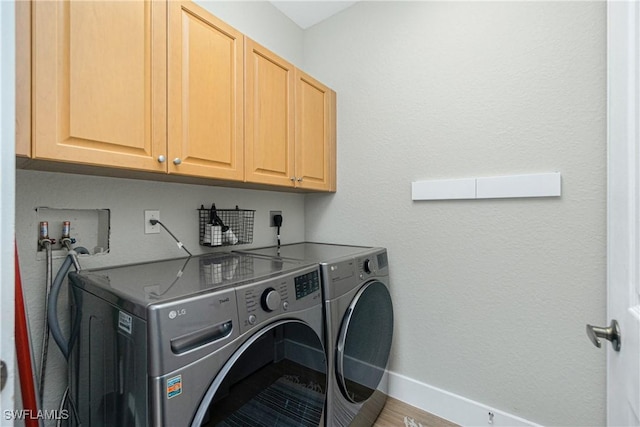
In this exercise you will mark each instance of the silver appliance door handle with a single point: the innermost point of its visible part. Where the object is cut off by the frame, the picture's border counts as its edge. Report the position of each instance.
(201, 337)
(611, 333)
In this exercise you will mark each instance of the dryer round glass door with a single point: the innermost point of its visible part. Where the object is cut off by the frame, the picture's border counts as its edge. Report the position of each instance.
(364, 342)
(276, 378)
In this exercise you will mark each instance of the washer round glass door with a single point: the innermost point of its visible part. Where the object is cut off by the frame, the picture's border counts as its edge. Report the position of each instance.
(364, 342)
(276, 378)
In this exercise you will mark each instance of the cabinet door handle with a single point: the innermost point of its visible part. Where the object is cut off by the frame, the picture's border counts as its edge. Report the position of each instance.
(177, 161)
(293, 178)
(300, 179)
(161, 158)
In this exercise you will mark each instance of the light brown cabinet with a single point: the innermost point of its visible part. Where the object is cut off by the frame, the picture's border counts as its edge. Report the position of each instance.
(166, 87)
(315, 134)
(269, 117)
(99, 83)
(289, 124)
(205, 94)
(23, 79)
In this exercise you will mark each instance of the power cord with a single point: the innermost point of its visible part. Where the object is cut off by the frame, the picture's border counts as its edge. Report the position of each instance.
(277, 220)
(180, 245)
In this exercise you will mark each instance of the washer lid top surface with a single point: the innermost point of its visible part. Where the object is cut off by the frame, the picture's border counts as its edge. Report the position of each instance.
(311, 252)
(159, 281)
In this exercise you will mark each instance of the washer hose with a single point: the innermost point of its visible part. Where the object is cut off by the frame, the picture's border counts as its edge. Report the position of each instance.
(52, 313)
(45, 335)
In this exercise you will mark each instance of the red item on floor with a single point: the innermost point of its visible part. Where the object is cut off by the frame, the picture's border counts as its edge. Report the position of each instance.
(23, 352)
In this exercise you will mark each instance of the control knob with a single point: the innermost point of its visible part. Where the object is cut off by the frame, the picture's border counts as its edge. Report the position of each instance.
(368, 266)
(270, 299)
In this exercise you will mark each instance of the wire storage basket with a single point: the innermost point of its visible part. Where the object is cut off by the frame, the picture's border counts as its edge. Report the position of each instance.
(225, 227)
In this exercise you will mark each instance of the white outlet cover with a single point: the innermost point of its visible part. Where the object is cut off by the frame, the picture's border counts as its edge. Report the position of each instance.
(148, 216)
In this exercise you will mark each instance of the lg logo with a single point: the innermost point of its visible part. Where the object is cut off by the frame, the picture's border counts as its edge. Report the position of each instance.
(175, 313)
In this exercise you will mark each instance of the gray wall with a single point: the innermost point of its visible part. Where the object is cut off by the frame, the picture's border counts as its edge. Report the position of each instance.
(491, 296)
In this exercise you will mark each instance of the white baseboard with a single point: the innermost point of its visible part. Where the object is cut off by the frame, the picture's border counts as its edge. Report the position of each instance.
(449, 406)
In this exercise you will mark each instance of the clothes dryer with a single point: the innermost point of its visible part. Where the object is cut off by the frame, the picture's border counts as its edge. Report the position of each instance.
(358, 325)
(224, 339)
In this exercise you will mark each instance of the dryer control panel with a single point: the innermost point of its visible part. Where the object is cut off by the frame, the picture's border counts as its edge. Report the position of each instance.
(341, 277)
(262, 301)
(373, 264)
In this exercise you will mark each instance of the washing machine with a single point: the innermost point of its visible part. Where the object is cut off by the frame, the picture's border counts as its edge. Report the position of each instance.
(223, 339)
(359, 325)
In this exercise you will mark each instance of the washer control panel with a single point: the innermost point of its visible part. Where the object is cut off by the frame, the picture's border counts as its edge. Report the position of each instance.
(261, 301)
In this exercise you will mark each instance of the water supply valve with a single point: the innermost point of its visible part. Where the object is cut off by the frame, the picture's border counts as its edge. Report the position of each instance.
(44, 239)
(66, 240)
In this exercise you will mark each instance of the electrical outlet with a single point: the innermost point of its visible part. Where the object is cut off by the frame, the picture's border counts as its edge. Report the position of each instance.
(148, 216)
(271, 215)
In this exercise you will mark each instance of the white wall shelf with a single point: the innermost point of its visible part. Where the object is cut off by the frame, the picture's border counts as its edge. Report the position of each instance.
(497, 187)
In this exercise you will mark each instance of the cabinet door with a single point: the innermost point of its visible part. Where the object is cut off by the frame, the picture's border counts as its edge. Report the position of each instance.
(99, 82)
(269, 117)
(315, 134)
(23, 78)
(205, 94)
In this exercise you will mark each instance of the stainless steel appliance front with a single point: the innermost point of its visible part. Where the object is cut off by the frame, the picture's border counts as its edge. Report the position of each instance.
(205, 340)
(358, 325)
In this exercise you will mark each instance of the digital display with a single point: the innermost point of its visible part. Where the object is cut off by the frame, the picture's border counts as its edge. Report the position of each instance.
(307, 284)
(382, 260)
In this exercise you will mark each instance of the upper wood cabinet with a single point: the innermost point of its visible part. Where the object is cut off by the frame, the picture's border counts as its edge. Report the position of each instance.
(206, 95)
(164, 86)
(315, 134)
(23, 78)
(99, 80)
(289, 124)
(269, 117)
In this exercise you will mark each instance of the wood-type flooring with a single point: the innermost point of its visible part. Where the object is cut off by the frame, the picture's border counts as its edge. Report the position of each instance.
(399, 414)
